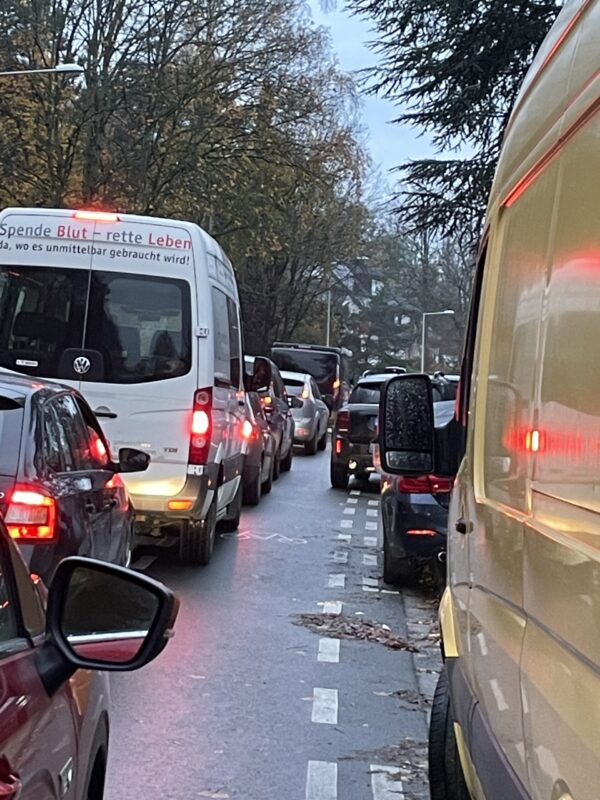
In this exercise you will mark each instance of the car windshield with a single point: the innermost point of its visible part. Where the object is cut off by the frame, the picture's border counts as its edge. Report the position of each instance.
(366, 393)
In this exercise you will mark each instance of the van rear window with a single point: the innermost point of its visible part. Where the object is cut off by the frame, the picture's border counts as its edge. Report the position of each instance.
(137, 326)
(141, 325)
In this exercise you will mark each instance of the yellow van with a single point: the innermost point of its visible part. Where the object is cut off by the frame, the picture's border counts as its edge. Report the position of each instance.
(517, 710)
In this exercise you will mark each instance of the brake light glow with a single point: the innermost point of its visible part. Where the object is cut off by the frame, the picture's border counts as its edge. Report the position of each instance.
(337, 383)
(424, 484)
(201, 427)
(421, 532)
(338, 446)
(96, 216)
(31, 515)
(267, 400)
(200, 422)
(247, 429)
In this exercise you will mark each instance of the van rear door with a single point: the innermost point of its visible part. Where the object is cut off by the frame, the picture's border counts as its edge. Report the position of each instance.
(140, 343)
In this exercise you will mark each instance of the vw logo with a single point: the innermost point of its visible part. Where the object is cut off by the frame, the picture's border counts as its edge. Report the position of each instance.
(81, 365)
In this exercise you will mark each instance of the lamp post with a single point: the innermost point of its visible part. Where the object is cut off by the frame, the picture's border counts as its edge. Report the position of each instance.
(446, 313)
(59, 69)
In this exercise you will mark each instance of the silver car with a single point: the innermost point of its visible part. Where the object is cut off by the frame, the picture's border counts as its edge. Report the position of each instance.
(312, 417)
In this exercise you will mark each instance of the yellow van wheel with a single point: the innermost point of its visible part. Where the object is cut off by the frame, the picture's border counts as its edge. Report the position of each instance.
(446, 779)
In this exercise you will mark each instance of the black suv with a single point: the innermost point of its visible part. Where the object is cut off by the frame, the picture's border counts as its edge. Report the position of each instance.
(355, 429)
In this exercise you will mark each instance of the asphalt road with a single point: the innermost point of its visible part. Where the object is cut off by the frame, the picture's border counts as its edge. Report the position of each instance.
(244, 704)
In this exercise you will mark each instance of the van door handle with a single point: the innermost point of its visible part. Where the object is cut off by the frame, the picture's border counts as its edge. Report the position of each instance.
(463, 526)
(102, 412)
(112, 503)
(90, 508)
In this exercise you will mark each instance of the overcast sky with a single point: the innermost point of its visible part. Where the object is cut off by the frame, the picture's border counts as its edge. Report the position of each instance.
(389, 144)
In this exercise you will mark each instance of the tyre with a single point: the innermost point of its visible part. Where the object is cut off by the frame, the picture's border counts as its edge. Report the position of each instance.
(253, 490)
(234, 511)
(197, 538)
(323, 441)
(268, 484)
(339, 476)
(94, 781)
(396, 571)
(446, 778)
(286, 463)
(310, 447)
(277, 465)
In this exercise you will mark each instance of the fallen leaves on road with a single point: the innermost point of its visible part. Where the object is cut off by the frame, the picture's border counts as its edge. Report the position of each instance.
(410, 757)
(336, 626)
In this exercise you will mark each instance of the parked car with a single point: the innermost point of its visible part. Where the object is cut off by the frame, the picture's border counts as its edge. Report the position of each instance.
(60, 492)
(150, 334)
(414, 514)
(276, 405)
(260, 453)
(354, 431)
(54, 724)
(311, 415)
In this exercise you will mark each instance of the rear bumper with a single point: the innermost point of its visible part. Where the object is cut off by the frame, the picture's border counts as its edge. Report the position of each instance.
(354, 456)
(304, 432)
(152, 511)
(414, 530)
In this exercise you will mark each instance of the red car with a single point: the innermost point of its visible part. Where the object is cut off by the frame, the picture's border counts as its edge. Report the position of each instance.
(54, 712)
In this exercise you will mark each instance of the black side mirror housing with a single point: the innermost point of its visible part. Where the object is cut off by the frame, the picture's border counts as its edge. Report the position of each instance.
(406, 427)
(260, 380)
(132, 460)
(105, 617)
(294, 402)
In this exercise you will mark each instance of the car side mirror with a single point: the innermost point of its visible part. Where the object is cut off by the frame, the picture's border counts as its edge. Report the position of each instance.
(294, 402)
(406, 426)
(104, 617)
(260, 380)
(132, 460)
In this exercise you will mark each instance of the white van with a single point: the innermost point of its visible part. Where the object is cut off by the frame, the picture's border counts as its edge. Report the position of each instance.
(142, 316)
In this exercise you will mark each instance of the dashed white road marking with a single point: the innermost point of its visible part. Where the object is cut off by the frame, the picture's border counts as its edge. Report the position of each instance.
(346, 523)
(383, 784)
(332, 607)
(369, 560)
(143, 562)
(352, 501)
(325, 706)
(371, 526)
(355, 492)
(341, 557)
(370, 541)
(344, 537)
(336, 581)
(372, 512)
(500, 699)
(321, 781)
(350, 510)
(329, 651)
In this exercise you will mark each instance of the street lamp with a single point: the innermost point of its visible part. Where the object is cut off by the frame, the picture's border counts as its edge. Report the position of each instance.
(448, 312)
(59, 69)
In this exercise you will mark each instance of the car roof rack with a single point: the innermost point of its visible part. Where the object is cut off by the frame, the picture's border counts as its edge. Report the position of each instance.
(322, 348)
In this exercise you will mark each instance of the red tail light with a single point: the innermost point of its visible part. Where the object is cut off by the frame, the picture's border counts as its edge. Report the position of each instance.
(343, 421)
(425, 484)
(339, 446)
(247, 430)
(201, 427)
(31, 515)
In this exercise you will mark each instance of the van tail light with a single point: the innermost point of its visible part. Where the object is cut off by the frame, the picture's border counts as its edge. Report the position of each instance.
(31, 515)
(343, 421)
(248, 431)
(201, 433)
(425, 484)
(339, 446)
